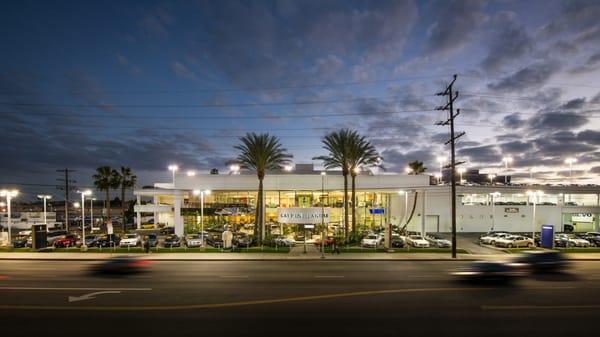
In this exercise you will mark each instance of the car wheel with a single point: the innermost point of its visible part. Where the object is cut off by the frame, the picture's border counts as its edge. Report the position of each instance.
(493, 243)
(509, 245)
(530, 245)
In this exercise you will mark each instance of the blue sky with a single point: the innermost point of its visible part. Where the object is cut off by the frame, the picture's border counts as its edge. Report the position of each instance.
(148, 83)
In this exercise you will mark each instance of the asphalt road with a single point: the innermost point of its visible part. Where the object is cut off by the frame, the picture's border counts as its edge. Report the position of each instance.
(292, 298)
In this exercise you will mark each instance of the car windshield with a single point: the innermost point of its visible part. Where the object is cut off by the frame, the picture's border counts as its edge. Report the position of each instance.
(416, 237)
(194, 236)
(372, 237)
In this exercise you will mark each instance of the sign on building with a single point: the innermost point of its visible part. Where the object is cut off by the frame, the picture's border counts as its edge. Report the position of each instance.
(376, 210)
(582, 217)
(511, 210)
(298, 215)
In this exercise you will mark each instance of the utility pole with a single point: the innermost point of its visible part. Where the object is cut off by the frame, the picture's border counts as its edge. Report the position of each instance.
(452, 96)
(66, 188)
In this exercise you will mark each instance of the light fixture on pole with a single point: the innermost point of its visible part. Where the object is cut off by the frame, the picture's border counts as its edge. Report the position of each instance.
(191, 173)
(408, 170)
(173, 168)
(9, 195)
(202, 194)
(506, 160)
(536, 197)
(45, 197)
(83, 195)
(288, 168)
(324, 235)
(570, 161)
(438, 177)
(234, 169)
(441, 160)
(461, 171)
(491, 177)
(494, 196)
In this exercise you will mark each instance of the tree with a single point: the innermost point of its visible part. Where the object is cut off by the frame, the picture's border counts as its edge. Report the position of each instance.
(214, 171)
(106, 179)
(337, 145)
(361, 153)
(126, 181)
(261, 153)
(416, 167)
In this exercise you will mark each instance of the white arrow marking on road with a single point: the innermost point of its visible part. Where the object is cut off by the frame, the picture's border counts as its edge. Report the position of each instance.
(90, 296)
(329, 276)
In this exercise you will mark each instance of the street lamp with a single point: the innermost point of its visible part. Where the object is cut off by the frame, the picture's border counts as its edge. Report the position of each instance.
(461, 170)
(288, 168)
(535, 196)
(506, 160)
(491, 177)
(83, 195)
(408, 170)
(202, 194)
(45, 197)
(494, 196)
(324, 235)
(570, 161)
(234, 169)
(9, 195)
(441, 160)
(191, 173)
(438, 177)
(173, 168)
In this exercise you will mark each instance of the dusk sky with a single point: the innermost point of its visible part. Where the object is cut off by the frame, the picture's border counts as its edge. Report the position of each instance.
(146, 84)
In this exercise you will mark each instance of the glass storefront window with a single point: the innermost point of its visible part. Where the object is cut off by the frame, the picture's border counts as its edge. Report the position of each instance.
(474, 199)
(580, 200)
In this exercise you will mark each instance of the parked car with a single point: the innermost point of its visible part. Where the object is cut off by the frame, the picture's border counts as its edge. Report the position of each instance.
(108, 240)
(172, 240)
(69, 240)
(243, 240)
(490, 239)
(20, 241)
(215, 239)
(371, 241)
(167, 230)
(417, 241)
(52, 236)
(130, 240)
(514, 241)
(328, 241)
(572, 241)
(91, 240)
(193, 240)
(397, 241)
(543, 261)
(152, 239)
(437, 240)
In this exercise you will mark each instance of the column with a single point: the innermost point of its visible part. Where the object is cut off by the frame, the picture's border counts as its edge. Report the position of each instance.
(177, 218)
(155, 202)
(138, 214)
(423, 213)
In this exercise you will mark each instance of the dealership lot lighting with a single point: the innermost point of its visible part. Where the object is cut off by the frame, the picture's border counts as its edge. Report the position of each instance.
(83, 195)
(9, 196)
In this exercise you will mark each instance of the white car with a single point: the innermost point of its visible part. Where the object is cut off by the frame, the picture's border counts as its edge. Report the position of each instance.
(371, 241)
(515, 241)
(193, 240)
(130, 240)
(490, 239)
(417, 241)
(573, 241)
(285, 242)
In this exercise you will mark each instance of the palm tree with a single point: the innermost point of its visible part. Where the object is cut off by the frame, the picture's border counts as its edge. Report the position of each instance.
(361, 153)
(416, 167)
(126, 181)
(337, 144)
(261, 153)
(106, 179)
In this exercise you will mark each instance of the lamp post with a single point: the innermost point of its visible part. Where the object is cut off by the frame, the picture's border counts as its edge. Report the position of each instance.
(45, 197)
(494, 196)
(405, 216)
(83, 195)
(535, 196)
(570, 161)
(9, 195)
(441, 160)
(173, 168)
(91, 213)
(461, 170)
(323, 174)
(506, 160)
(201, 194)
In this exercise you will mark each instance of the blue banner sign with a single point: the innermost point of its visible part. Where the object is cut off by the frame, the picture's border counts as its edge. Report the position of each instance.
(547, 236)
(376, 210)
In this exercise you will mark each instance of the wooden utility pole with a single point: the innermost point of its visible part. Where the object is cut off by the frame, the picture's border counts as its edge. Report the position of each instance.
(66, 189)
(452, 96)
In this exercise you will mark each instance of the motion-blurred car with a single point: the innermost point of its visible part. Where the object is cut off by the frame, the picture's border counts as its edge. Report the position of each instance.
(193, 240)
(172, 240)
(543, 261)
(69, 240)
(121, 265)
(437, 240)
(490, 271)
(130, 240)
(514, 241)
(417, 241)
(20, 241)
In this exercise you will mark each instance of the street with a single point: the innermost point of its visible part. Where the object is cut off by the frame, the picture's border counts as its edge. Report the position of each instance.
(292, 298)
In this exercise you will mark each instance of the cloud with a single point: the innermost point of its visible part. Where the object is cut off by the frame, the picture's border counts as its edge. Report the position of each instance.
(531, 76)
(550, 121)
(574, 104)
(155, 21)
(122, 59)
(508, 44)
(513, 121)
(589, 136)
(182, 71)
(481, 154)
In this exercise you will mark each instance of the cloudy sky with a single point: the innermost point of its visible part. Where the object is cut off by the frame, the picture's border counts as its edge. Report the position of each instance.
(145, 84)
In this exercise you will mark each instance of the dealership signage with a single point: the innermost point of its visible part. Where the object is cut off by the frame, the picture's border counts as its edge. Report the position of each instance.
(511, 210)
(582, 217)
(297, 215)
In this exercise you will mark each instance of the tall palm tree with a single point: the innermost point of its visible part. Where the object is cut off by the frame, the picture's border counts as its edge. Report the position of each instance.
(126, 181)
(106, 179)
(361, 153)
(261, 153)
(337, 145)
(416, 167)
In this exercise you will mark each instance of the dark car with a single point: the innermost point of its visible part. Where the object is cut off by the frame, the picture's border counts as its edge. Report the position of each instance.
(91, 240)
(121, 266)
(490, 271)
(108, 240)
(20, 241)
(542, 261)
(152, 239)
(215, 240)
(172, 240)
(397, 241)
(69, 240)
(243, 240)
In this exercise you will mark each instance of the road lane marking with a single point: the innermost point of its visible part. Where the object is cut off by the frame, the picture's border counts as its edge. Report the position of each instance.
(539, 307)
(329, 276)
(255, 302)
(233, 276)
(90, 296)
(75, 289)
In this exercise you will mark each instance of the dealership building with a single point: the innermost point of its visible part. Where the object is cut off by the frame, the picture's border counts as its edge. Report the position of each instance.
(304, 197)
